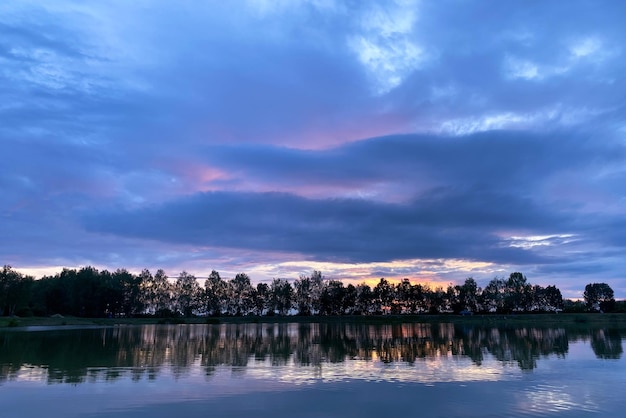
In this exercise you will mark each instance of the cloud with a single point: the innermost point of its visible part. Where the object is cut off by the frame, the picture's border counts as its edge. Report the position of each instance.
(314, 131)
(385, 45)
(517, 161)
(488, 197)
(465, 212)
(445, 224)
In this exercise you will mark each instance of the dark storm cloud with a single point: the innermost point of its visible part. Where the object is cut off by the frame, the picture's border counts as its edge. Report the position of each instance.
(512, 159)
(480, 191)
(445, 224)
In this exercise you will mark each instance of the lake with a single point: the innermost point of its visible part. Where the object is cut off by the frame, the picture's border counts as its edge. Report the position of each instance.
(312, 370)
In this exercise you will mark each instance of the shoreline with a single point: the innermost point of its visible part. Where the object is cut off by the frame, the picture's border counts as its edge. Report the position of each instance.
(543, 319)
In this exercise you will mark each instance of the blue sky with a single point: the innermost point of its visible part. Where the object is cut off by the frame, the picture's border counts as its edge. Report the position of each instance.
(434, 140)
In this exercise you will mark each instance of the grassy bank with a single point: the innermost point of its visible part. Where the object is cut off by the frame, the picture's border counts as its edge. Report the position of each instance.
(613, 320)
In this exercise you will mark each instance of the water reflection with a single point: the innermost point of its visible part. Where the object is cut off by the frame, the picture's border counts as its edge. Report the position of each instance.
(144, 352)
(607, 343)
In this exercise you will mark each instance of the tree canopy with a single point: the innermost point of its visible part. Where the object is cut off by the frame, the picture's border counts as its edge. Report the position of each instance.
(88, 292)
(599, 296)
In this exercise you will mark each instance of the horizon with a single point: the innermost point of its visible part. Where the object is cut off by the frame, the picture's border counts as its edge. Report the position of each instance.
(396, 139)
(371, 282)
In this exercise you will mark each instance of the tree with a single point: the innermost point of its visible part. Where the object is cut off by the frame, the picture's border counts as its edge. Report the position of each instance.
(317, 286)
(332, 300)
(302, 295)
(493, 295)
(574, 306)
(187, 292)
(86, 292)
(469, 294)
(349, 299)
(156, 292)
(215, 290)
(419, 296)
(146, 293)
(517, 293)
(241, 301)
(163, 293)
(281, 294)
(546, 299)
(131, 289)
(383, 296)
(599, 296)
(454, 298)
(111, 294)
(404, 293)
(261, 298)
(364, 299)
(15, 291)
(439, 302)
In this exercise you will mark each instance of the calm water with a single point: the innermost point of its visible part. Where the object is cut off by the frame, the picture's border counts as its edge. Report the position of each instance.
(312, 370)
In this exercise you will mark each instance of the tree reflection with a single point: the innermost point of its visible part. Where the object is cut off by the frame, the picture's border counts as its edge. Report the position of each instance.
(143, 352)
(606, 343)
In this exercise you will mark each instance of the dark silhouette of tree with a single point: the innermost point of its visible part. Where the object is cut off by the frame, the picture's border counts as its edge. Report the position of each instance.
(383, 296)
(553, 298)
(164, 292)
(146, 291)
(420, 297)
(303, 295)
(281, 296)
(89, 293)
(404, 295)
(156, 293)
(438, 301)
(599, 296)
(86, 292)
(131, 289)
(261, 298)
(215, 290)
(546, 299)
(317, 286)
(332, 299)
(187, 294)
(467, 296)
(349, 299)
(493, 295)
(574, 306)
(517, 293)
(241, 301)
(15, 291)
(364, 299)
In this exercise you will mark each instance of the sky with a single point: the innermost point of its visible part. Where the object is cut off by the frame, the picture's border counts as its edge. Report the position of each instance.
(432, 140)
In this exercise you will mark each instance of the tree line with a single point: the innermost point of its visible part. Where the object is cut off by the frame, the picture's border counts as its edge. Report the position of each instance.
(87, 292)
